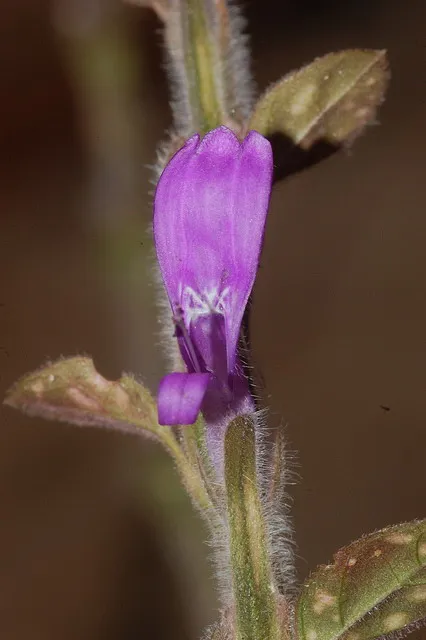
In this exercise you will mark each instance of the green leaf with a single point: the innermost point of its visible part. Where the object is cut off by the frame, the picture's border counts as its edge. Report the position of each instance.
(253, 589)
(71, 390)
(316, 110)
(376, 586)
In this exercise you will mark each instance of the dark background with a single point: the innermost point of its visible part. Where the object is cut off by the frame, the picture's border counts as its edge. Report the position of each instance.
(97, 539)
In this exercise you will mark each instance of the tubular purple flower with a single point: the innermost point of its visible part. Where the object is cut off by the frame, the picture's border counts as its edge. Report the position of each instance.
(209, 216)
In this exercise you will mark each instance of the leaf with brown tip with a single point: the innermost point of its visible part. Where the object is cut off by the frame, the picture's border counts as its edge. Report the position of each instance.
(71, 390)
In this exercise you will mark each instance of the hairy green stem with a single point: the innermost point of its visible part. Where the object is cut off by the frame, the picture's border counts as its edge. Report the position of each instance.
(252, 581)
(201, 65)
(208, 66)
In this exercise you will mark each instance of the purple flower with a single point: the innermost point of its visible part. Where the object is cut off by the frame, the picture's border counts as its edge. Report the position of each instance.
(209, 216)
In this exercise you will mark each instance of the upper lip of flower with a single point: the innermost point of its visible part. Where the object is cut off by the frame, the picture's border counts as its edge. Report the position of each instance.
(209, 214)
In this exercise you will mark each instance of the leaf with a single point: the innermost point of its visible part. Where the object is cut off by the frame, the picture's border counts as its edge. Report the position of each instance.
(71, 390)
(376, 586)
(316, 110)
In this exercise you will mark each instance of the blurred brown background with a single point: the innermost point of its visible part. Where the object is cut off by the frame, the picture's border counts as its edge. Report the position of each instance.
(96, 539)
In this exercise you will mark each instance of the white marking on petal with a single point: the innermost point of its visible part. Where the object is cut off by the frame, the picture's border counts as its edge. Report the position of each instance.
(204, 303)
(222, 302)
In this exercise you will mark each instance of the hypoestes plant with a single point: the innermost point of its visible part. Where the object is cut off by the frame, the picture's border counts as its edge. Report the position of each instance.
(210, 209)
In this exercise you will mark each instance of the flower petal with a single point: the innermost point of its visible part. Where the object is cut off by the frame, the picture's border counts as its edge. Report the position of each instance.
(207, 334)
(209, 216)
(170, 239)
(251, 200)
(180, 396)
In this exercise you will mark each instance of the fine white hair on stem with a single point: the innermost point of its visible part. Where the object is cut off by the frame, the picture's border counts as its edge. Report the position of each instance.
(272, 481)
(275, 473)
(230, 61)
(238, 63)
(175, 48)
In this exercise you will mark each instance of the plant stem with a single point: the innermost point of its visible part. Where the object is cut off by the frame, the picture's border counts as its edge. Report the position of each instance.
(209, 66)
(253, 587)
(201, 64)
